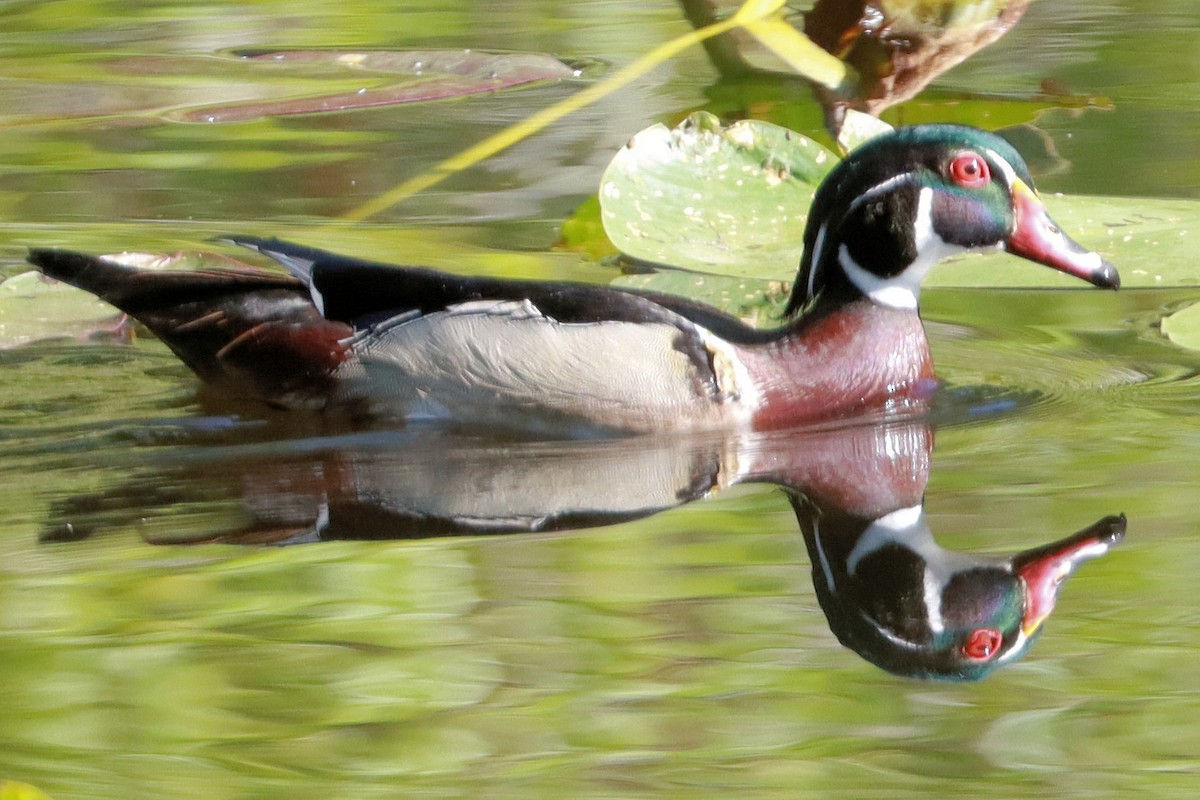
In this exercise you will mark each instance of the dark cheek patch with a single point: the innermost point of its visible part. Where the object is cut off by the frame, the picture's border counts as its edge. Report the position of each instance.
(965, 220)
(883, 242)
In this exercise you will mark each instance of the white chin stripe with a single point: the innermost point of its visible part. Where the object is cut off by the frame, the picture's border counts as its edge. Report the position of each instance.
(902, 291)
(899, 525)
(892, 292)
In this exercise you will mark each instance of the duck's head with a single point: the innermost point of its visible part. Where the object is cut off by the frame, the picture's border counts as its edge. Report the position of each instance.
(907, 199)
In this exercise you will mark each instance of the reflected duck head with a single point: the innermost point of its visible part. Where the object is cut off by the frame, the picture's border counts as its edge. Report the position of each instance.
(893, 595)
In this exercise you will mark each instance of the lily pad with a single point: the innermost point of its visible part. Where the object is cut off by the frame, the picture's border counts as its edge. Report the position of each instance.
(34, 308)
(858, 128)
(1183, 327)
(423, 76)
(702, 196)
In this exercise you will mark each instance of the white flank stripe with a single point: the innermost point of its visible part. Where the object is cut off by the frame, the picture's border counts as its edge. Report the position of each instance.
(814, 262)
(1010, 174)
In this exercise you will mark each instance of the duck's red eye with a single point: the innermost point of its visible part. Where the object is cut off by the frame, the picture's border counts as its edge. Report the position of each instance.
(970, 170)
(982, 644)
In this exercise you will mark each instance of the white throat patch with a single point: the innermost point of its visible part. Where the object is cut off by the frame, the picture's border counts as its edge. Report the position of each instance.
(902, 291)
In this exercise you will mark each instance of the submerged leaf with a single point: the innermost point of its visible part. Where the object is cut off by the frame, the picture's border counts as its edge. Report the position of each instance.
(427, 75)
(702, 196)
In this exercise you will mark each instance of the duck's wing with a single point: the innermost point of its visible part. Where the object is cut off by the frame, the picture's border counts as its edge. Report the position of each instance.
(483, 348)
(337, 284)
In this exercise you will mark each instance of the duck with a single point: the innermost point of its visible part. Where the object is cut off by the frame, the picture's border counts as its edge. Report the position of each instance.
(569, 358)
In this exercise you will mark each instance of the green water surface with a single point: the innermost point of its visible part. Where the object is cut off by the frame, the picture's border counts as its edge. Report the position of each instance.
(680, 655)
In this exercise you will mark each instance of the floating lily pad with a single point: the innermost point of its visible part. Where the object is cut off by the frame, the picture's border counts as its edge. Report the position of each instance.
(857, 128)
(34, 308)
(1183, 327)
(405, 77)
(703, 196)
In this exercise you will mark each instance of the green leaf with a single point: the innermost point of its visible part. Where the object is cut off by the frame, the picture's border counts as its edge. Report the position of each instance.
(12, 790)
(700, 196)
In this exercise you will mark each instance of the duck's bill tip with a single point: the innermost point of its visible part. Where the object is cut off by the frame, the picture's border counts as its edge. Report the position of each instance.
(1107, 277)
(1037, 237)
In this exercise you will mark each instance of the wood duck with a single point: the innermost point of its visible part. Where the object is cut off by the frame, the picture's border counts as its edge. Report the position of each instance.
(563, 357)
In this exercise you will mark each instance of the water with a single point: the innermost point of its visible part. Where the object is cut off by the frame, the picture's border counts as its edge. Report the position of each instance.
(668, 653)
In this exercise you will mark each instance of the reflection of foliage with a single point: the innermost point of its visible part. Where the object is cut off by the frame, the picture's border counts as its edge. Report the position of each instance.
(762, 18)
(896, 47)
(889, 50)
(411, 77)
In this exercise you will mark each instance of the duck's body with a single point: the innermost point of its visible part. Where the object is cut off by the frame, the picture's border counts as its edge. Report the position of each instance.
(414, 343)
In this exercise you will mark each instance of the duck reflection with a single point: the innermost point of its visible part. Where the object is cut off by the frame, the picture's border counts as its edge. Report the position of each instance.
(889, 591)
(900, 600)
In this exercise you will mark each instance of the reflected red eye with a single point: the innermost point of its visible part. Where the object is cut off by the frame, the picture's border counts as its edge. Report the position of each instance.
(982, 644)
(970, 170)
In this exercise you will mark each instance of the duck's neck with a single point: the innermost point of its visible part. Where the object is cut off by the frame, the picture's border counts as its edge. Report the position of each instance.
(837, 360)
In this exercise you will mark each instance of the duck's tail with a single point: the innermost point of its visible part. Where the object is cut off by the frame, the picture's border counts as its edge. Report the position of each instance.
(255, 332)
(136, 289)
